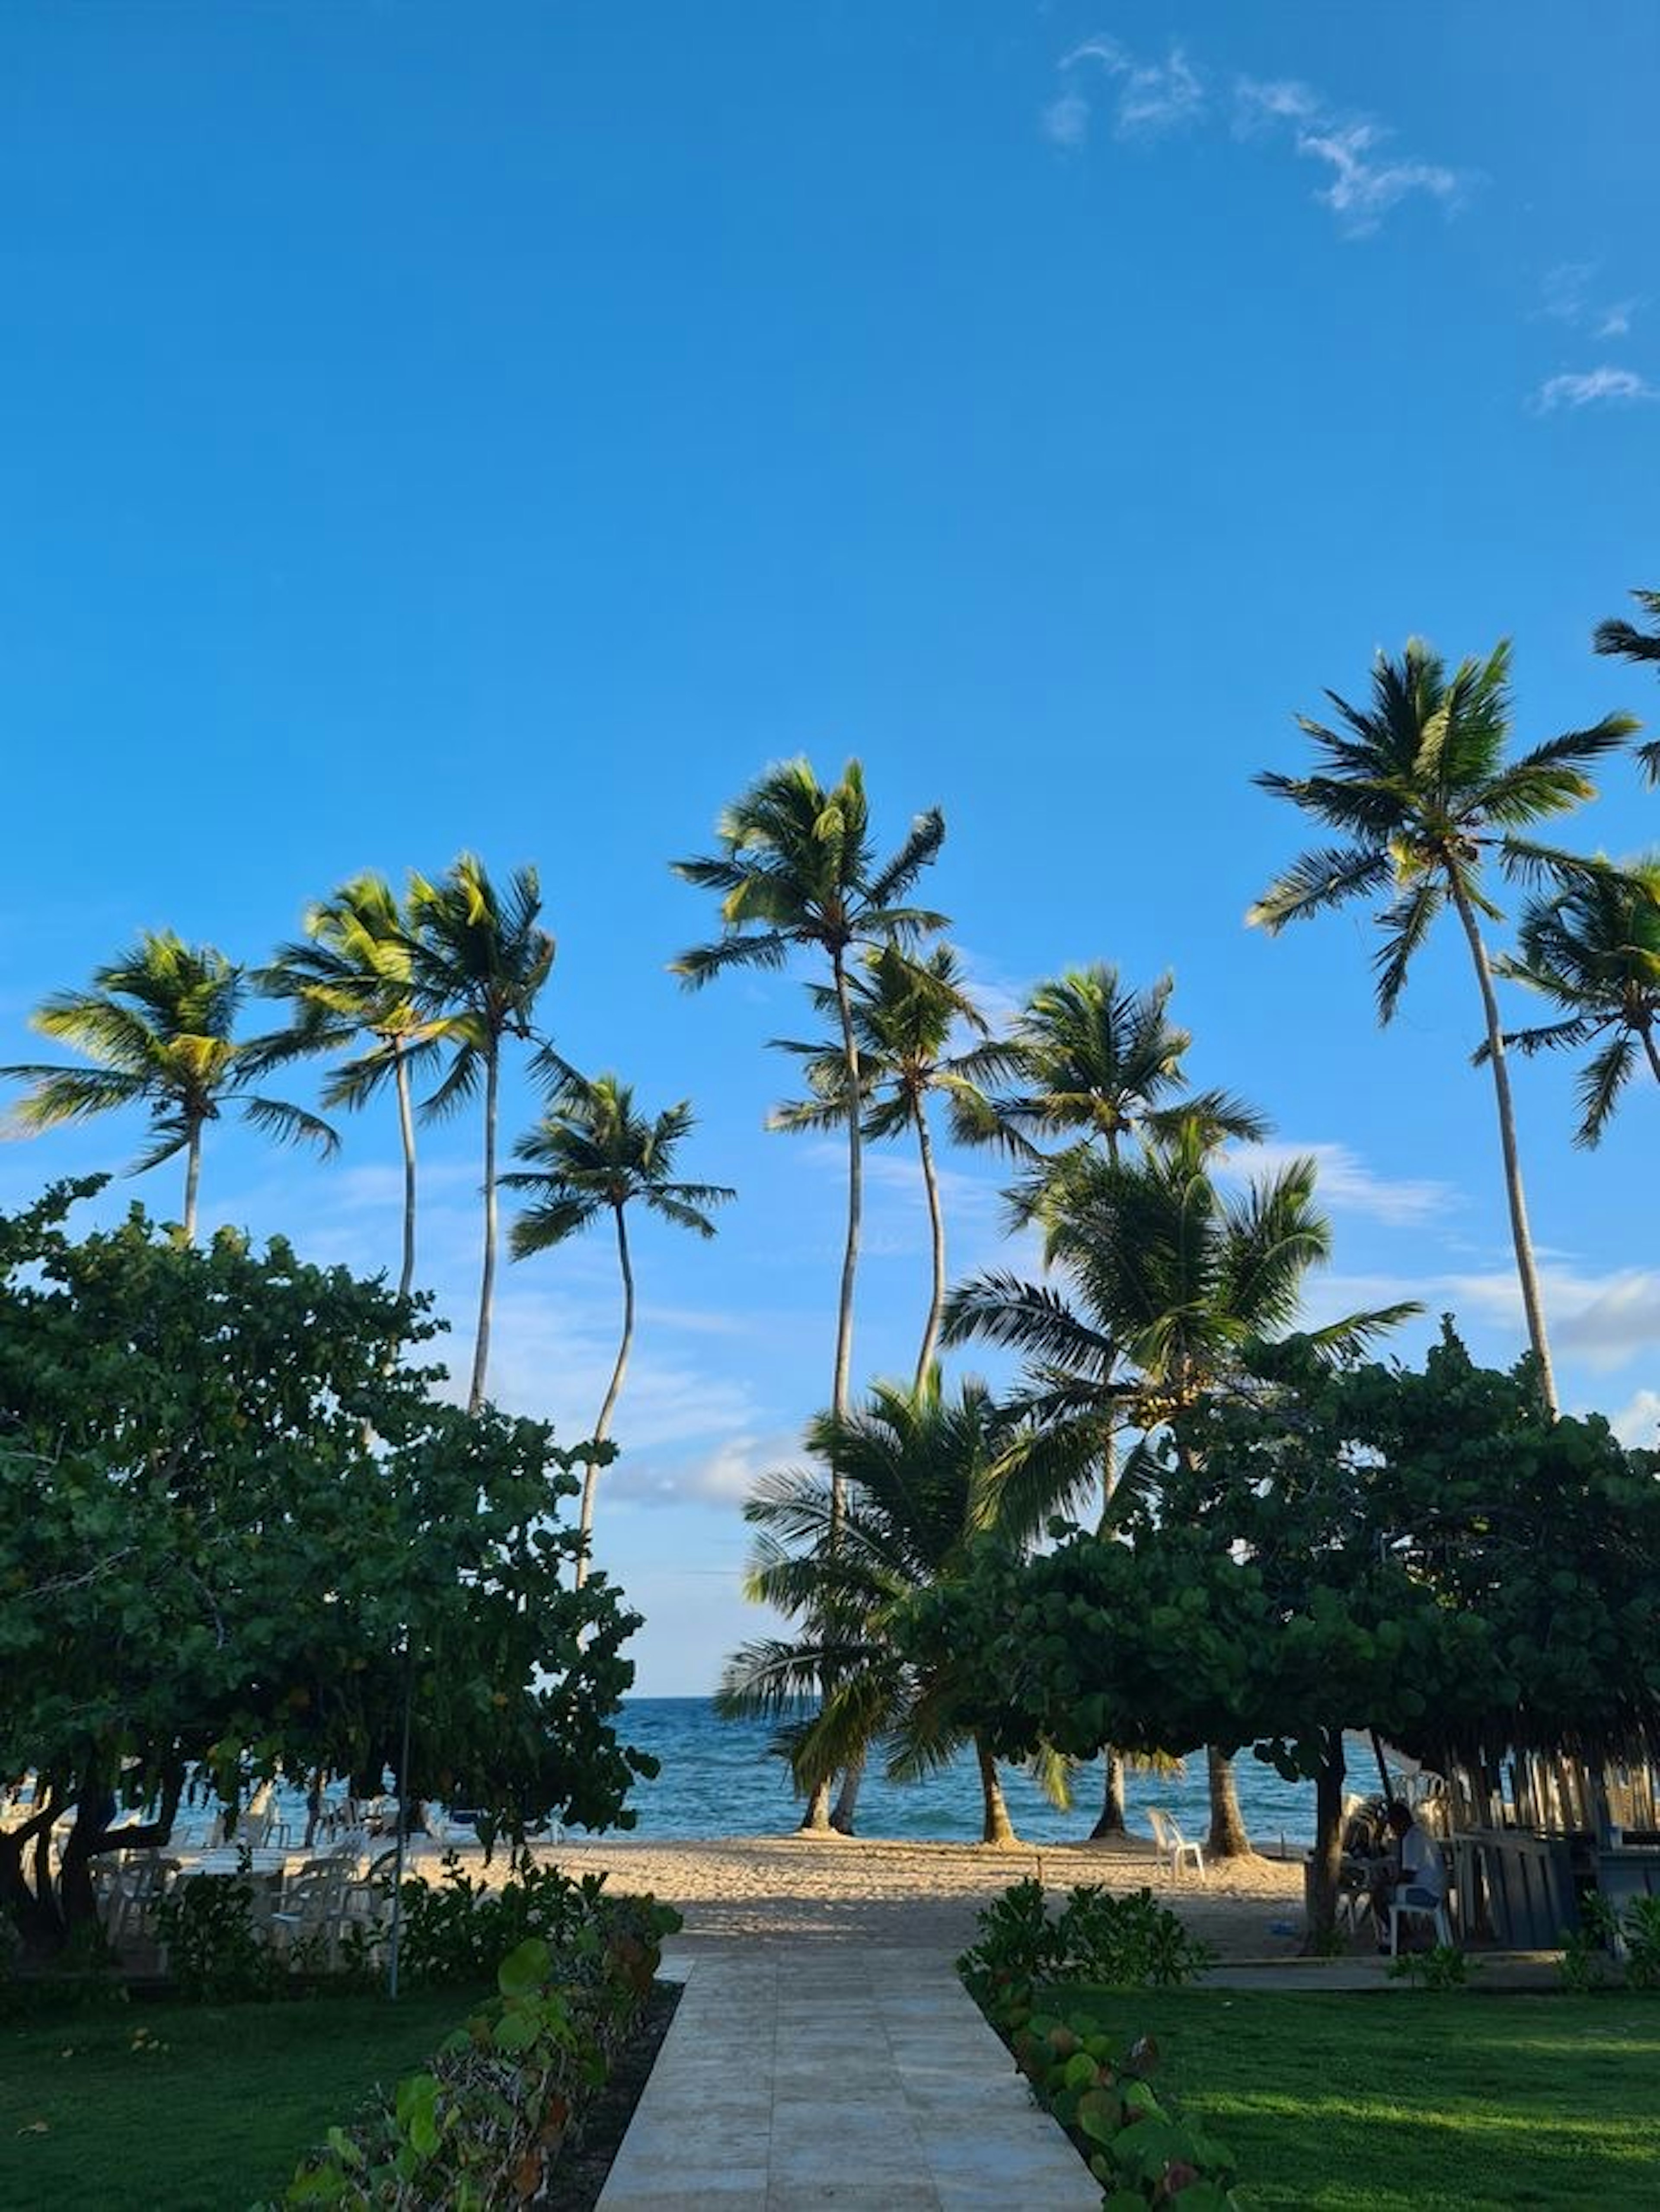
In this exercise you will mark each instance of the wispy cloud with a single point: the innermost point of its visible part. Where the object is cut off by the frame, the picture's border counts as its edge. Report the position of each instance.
(1593, 387)
(1145, 98)
(1348, 1184)
(1570, 295)
(1602, 1320)
(1638, 1421)
(1366, 180)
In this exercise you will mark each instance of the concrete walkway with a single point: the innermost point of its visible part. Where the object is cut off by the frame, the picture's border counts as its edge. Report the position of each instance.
(838, 2074)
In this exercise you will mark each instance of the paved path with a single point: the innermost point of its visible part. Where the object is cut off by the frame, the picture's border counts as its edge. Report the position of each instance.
(838, 2074)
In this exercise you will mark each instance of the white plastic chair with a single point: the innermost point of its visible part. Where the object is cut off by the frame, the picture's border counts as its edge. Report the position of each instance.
(1437, 1913)
(1173, 1845)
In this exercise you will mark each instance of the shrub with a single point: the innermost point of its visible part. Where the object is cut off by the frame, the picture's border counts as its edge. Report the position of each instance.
(457, 1929)
(215, 1956)
(1129, 1942)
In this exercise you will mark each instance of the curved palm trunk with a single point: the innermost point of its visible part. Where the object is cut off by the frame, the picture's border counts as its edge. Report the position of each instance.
(1654, 1056)
(1114, 1815)
(936, 1232)
(602, 1426)
(1227, 1838)
(1532, 1304)
(406, 1131)
(481, 1349)
(817, 1815)
(192, 1178)
(996, 1827)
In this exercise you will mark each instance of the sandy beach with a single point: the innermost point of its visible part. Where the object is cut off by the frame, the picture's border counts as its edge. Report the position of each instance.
(793, 1887)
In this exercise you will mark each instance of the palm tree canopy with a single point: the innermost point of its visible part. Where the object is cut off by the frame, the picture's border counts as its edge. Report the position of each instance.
(1594, 950)
(159, 1026)
(798, 866)
(593, 1152)
(1166, 1271)
(906, 1010)
(480, 957)
(351, 977)
(1420, 785)
(1625, 642)
(1098, 1060)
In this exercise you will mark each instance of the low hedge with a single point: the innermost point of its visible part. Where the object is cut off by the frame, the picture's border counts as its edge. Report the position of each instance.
(484, 2125)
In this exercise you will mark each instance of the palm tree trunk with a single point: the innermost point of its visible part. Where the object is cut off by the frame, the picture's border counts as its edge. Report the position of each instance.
(481, 1349)
(1114, 1817)
(845, 1812)
(1227, 1838)
(936, 1232)
(406, 1130)
(602, 1426)
(817, 1815)
(1654, 1056)
(1532, 1304)
(996, 1827)
(192, 1178)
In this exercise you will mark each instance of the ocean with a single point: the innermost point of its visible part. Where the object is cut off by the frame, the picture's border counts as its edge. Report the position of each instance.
(718, 1779)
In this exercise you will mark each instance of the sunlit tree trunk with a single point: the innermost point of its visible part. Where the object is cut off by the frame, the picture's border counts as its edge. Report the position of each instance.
(406, 1131)
(192, 1178)
(1227, 1838)
(1114, 1818)
(1532, 1303)
(996, 1827)
(602, 1426)
(936, 1234)
(481, 1351)
(1326, 1864)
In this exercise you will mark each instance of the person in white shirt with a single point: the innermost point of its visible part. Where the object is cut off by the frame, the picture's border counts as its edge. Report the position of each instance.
(1414, 1873)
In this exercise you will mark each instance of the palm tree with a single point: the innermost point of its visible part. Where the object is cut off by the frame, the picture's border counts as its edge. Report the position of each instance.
(350, 981)
(1097, 1062)
(904, 1012)
(1594, 948)
(159, 1026)
(1625, 642)
(1420, 785)
(1174, 1290)
(481, 958)
(923, 1476)
(798, 869)
(592, 1154)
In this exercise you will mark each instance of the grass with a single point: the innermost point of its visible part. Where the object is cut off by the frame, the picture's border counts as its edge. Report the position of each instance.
(194, 2108)
(1378, 2103)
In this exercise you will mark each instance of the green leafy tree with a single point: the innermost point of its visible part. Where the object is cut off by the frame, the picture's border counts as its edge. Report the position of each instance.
(206, 1570)
(1174, 1290)
(906, 1012)
(923, 1475)
(351, 985)
(481, 958)
(1625, 642)
(1420, 784)
(592, 1155)
(1594, 950)
(159, 1026)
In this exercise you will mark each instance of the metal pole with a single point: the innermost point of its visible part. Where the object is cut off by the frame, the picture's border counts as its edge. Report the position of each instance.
(403, 1823)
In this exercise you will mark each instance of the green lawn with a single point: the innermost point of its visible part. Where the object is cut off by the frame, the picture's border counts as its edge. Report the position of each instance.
(193, 2108)
(1468, 2102)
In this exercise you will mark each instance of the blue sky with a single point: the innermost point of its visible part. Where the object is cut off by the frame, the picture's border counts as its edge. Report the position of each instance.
(427, 428)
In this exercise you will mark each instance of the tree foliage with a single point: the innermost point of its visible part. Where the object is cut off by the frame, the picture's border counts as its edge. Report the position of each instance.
(207, 1572)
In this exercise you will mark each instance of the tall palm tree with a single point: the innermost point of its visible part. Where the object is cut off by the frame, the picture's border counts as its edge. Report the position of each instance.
(592, 1154)
(159, 1026)
(1625, 642)
(923, 1476)
(1594, 948)
(798, 870)
(351, 985)
(1420, 785)
(1173, 1289)
(480, 959)
(1095, 1062)
(905, 1011)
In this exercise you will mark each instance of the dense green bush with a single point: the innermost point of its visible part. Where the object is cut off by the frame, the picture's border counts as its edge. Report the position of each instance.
(456, 1929)
(1125, 1942)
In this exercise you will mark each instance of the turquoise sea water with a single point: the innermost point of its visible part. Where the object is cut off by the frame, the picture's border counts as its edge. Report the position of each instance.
(719, 1780)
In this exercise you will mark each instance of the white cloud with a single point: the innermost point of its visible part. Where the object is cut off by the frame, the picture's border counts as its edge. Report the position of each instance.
(1149, 98)
(1637, 1422)
(1568, 295)
(1593, 387)
(1601, 1322)
(1259, 102)
(1348, 1184)
(1364, 183)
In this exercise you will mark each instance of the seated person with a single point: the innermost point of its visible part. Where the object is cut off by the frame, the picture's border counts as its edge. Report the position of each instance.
(1414, 1873)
